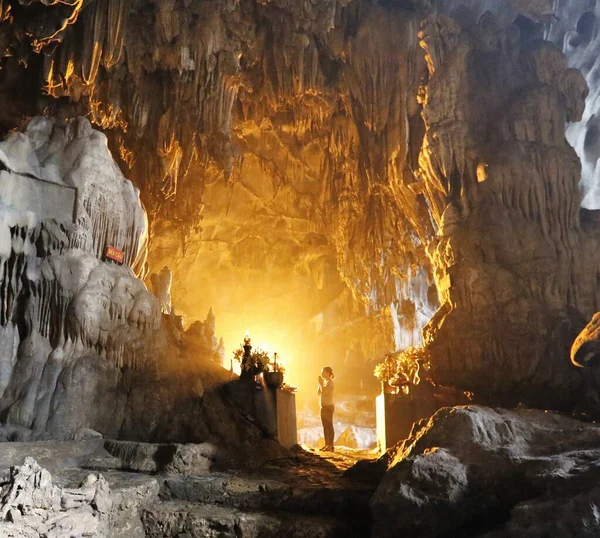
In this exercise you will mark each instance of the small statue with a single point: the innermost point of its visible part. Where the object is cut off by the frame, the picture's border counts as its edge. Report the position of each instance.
(249, 369)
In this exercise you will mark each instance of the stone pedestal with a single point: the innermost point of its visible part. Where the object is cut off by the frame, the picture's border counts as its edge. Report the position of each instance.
(287, 429)
(395, 417)
(274, 410)
(396, 413)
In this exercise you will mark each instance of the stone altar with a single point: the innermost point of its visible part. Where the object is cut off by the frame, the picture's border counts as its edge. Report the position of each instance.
(273, 410)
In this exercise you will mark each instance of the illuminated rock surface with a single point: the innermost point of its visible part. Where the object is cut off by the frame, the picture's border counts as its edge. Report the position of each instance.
(576, 33)
(326, 174)
(475, 471)
(585, 350)
(502, 183)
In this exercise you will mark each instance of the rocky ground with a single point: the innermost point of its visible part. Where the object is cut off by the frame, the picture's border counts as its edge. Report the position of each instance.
(171, 491)
(476, 471)
(470, 471)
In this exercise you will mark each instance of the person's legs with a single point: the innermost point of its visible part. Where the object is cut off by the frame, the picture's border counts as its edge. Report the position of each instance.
(325, 424)
(331, 430)
(327, 420)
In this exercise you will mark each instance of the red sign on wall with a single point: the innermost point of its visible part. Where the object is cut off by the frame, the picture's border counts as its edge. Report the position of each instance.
(114, 254)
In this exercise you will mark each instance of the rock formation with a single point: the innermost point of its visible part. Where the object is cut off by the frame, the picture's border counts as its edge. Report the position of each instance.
(502, 183)
(318, 188)
(146, 491)
(33, 506)
(585, 351)
(332, 171)
(575, 31)
(468, 471)
(62, 306)
(84, 343)
(272, 154)
(474, 471)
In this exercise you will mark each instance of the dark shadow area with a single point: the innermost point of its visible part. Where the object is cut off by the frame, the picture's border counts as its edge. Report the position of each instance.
(585, 25)
(529, 30)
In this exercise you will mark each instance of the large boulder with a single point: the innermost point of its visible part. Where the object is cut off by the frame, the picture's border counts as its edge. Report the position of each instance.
(472, 470)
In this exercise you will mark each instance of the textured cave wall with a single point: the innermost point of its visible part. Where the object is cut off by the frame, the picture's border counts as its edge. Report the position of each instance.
(270, 121)
(83, 343)
(297, 177)
(319, 156)
(516, 271)
(575, 31)
(70, 322)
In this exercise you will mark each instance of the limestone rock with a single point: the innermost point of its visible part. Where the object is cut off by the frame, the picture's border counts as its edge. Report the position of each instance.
(161, 284)
(203, 333)
(468, 465)
(85, 345)
(507, 261)
(348, 165)
(31, 505)
(261, 160)
(575, 31)
(86, 433)
(168, 459)
(175, 519)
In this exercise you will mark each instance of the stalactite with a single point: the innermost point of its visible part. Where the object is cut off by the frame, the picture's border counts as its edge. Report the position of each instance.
(115, 35)
(38, 43)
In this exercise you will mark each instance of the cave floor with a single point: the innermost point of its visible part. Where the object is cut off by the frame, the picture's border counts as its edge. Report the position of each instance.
(306, 495)
(343, 458)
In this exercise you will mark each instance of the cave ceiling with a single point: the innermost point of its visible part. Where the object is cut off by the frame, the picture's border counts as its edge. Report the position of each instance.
(276, 143)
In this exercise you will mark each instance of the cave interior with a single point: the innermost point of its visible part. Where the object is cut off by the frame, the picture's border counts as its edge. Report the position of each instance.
(405, 192)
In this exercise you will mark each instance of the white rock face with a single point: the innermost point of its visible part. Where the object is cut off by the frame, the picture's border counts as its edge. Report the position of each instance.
(575, 30)
(63, 170)
(31, 505)
(85, 346)
(63, 200)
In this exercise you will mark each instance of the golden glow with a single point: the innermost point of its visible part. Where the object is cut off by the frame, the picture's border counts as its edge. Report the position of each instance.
(106, 116)
(4, 12)
(482, 172)
(90, 77)
(126, 155)
(70, 69)
(50, 85)
(278, 342)
(171, 153)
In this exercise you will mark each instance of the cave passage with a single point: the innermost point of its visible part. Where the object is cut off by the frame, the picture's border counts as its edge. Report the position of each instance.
(299, 268)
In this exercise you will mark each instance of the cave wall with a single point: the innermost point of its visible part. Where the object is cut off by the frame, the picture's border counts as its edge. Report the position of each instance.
(575, 31)
(343, 167)
(516, 271)
(83, 344)
(70, 321)
(278, 111)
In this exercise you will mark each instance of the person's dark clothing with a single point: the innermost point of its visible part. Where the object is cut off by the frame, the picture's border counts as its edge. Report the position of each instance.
(327, 420)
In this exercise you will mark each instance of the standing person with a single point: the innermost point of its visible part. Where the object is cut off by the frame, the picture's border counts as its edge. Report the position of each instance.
(325, 392)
